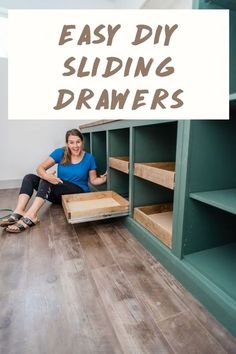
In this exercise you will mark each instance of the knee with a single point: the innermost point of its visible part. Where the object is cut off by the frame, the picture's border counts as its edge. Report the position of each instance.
(43, 183)
(44, 187)
(29, 177)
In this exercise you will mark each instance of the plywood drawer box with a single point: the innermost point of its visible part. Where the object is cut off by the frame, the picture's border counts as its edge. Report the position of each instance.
(157, 219)
(120, 163)
(83, 207)
(162, 173)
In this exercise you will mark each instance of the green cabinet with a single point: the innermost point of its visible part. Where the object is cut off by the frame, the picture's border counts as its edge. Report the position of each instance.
(200, 249)
(180, 180)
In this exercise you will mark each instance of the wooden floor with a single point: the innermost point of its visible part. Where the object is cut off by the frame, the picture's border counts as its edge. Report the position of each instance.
(92, 288)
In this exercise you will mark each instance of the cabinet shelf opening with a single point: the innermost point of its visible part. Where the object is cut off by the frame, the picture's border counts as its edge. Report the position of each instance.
(87, 142)
(217, 264)
(224, 199)
(157, 219)
(99, 151)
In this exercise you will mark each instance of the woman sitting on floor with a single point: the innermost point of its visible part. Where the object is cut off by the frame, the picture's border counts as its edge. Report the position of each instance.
(75, 169)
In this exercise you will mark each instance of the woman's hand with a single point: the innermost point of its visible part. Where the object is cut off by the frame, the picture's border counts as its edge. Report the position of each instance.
(104, 177)
(95, 180)
(51, 178)
(48, 176)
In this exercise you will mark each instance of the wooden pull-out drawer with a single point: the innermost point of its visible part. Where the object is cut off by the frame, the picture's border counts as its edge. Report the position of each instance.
(91, 206)
(120, 163)
(162, 173)
(157, 219)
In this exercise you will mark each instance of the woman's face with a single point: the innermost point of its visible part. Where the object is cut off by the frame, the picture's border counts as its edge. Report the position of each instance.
(75, 144)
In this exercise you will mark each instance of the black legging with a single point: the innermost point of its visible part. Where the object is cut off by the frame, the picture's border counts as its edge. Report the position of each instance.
(47, 190)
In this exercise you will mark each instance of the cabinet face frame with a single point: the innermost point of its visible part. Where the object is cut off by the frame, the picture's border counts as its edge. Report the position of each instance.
(172, 259)
(181, 130)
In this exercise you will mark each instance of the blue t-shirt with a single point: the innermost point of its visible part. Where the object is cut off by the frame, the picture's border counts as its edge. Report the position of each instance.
(77, 173)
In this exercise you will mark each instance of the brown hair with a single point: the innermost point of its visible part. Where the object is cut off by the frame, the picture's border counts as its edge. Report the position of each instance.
(67, 154)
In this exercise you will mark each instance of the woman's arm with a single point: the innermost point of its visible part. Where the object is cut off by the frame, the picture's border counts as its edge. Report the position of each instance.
(95, 180)
(48, 176)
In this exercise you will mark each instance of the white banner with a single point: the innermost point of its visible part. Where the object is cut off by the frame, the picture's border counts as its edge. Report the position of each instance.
(118, 64)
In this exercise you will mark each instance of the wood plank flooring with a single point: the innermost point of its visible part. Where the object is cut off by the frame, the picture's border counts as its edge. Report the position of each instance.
(92, 288)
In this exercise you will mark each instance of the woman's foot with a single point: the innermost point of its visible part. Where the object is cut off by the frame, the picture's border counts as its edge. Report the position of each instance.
(12, 219)
(23, 224)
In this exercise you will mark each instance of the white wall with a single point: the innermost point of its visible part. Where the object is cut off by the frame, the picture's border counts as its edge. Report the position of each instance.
(24, 144)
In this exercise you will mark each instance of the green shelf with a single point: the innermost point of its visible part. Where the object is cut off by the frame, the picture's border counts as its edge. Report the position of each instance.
(224, 199)
(217, 264)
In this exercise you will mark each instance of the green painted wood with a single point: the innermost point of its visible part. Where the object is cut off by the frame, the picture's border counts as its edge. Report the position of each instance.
(119, 146)
(206, 227)
(180, 187)
(148, 193)
(108, 148)
(99, 151)
(218, 265)
(120, 124)
(204, 162)
(210, 167)
(195, 4)
(226, 4)
(155, 143)
(119, 182)
(205, 4)
(210, 163)
(119, 142)
(233, 50)
(87, 141)
(223, 199)
(222, 306)
(131, 172)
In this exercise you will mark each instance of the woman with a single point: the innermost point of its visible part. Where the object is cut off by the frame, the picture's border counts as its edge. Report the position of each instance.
(75, 168)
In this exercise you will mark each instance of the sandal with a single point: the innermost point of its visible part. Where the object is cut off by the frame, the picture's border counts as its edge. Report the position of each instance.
(11, 220)
(20, 227)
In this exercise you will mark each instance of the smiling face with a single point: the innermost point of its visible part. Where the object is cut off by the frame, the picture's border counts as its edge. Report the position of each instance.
(75, 145)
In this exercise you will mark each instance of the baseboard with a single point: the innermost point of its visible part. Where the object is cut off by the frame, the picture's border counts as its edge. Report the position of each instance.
(10, 183)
